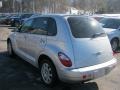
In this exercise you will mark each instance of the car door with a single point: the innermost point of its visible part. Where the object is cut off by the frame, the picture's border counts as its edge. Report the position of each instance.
(21, 37)
(36, 40)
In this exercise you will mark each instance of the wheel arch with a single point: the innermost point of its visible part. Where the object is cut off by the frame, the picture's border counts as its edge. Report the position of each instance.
(116, 39)
(42, 57)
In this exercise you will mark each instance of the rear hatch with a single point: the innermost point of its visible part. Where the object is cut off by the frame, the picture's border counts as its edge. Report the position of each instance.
(90, 43)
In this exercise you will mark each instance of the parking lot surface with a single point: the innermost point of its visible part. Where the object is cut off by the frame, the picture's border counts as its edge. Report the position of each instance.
(16, 74)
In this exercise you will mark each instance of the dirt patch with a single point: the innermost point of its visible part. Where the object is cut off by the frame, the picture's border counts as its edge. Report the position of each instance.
(4, 33)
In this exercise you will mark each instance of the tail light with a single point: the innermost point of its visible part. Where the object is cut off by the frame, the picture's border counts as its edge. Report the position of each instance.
(64, 59)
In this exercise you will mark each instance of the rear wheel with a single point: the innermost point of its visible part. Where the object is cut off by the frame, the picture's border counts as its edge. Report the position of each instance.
(48, 72)
(115, 44)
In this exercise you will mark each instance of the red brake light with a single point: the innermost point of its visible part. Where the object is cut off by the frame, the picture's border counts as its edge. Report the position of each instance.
(64, 59)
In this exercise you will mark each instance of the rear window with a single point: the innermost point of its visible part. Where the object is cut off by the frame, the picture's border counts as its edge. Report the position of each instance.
(84, 27)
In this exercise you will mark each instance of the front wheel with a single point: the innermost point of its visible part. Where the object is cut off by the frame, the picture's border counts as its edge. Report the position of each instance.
(48, 72)
(10, 49)
(115, 44)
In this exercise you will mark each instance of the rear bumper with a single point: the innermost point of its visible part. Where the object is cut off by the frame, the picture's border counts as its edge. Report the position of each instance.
(87, 73)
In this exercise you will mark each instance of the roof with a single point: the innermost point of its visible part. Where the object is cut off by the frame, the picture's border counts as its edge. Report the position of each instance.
(115, 17)
(58, 15)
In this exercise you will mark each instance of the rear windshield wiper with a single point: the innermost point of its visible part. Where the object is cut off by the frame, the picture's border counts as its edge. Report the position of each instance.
(98, 35)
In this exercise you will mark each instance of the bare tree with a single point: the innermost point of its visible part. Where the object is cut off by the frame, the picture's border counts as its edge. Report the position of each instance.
(60, 6)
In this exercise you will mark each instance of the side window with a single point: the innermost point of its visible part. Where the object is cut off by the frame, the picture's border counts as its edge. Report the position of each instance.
(39, 26)
(26, 27)
(52, 28)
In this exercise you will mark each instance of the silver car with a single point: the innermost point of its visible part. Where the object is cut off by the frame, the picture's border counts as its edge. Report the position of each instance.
(111, 26)
(64, 47)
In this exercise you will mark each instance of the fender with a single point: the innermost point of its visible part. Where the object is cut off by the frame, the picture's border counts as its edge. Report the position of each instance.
(52, 52)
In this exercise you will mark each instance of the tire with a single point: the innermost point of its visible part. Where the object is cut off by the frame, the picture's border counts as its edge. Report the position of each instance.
(115, 44)
(48, 73)
(10, 49)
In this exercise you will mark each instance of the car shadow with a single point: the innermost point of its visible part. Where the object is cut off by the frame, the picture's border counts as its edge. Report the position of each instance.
(85, 86)
(17, 74)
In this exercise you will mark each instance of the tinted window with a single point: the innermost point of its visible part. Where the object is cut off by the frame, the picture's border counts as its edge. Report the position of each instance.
(110, 23)
(26, 27)
(84, 27)
(39, 26)
(52, 28)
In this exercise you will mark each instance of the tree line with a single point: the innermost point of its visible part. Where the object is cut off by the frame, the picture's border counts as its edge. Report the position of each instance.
(98, 6)
(60, 6)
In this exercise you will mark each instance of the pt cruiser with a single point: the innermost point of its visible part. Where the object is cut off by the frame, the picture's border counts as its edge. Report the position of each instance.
(65, 47)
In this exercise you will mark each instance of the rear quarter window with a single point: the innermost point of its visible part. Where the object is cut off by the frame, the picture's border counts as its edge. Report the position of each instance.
(52, 27)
